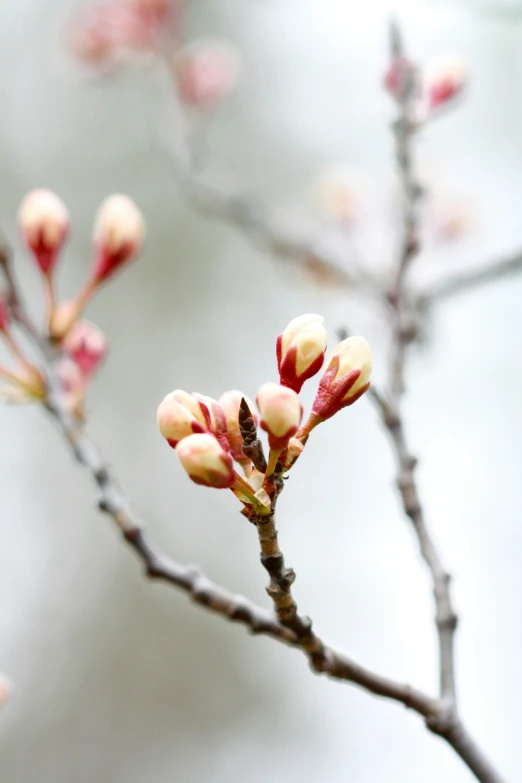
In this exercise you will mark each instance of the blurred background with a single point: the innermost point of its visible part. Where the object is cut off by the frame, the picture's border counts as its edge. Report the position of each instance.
(119, 680)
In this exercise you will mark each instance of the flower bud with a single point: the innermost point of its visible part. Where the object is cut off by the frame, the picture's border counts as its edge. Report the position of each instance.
(44, 223)
(398, 77)
(178, 418)
(345, 379)
(215, 418)
(87, 346)
(63, 317)
(445, 78)
(230, 402)
(300, 350)
(205, 461)
(4, 315)
(205, 72)
(281, 413)
(119, 231)
(6, 689)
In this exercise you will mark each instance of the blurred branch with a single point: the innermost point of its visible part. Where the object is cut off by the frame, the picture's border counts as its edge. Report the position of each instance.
(470, 279)
(390, 408)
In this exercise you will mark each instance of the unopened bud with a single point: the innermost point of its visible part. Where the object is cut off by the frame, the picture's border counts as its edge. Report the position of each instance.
(6, 689)
(205, 72)
(205, 461)
(230, 402)
(63, 317)
(87, 346)
(281, 413)
(119, 231)
(399, 77)
(215, 418)
(44, 222)
(178, 418)
(300, 350)
(345, 379)
(445, 78)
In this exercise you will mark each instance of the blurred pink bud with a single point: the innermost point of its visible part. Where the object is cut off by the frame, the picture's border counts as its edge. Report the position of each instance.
(300, 350)
(342, 192)
(87, 346)
(445, 78)
(206, 72)
(398, 76)
(230, 402)
(345, 379)
(4, 315)
(63, 318)
(6, 689)
(44, 223)
(205, 461)
(119, 231)
(281, 413)
(112, 31)
(178, 418)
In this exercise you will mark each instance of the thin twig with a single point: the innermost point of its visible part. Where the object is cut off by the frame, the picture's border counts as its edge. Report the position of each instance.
(467, 281)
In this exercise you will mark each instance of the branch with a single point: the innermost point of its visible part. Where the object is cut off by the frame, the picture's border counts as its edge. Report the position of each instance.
(446, 617)
(474, 278)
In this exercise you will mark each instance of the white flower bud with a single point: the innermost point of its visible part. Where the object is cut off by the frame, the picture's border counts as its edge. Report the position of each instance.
(280, 411)
(205, 461)
(300, 350)
(230, 402)
(346, 377)
(179, 415)
(119, 231)
(44, 222)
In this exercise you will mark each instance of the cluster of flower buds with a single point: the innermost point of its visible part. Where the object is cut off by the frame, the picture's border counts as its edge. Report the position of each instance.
(118, 235)
(432, 88)
(114, 31)
(209, 436)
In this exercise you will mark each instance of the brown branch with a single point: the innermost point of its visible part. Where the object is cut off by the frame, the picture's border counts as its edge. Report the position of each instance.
(474, 278)
(280, 591)
(402, 337)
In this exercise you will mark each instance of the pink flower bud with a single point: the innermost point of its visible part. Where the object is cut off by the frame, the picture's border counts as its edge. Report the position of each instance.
(281, 413)
(6, 689)
(215, 418)
(205, 461)
(205, 72)
(44, 223)
(300, 350)
(230, 402)
(87, 346)
(346, 377)
(396, 78)
(4, 315)
(178, 417)
(445, 78)
(119, 231)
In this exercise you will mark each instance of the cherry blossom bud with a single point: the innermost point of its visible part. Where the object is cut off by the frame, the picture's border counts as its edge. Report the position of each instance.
(215, 418)
(4, 315)
(177, 419)
(205, 72)
(205, 461)
(445, 78)
(345, 379)
(230, 402)
(44, 223)
(6, 689)
(281, 413)
(119, 231)
(87, 346)
(398, 76)
(63, 318)
(300, 350)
